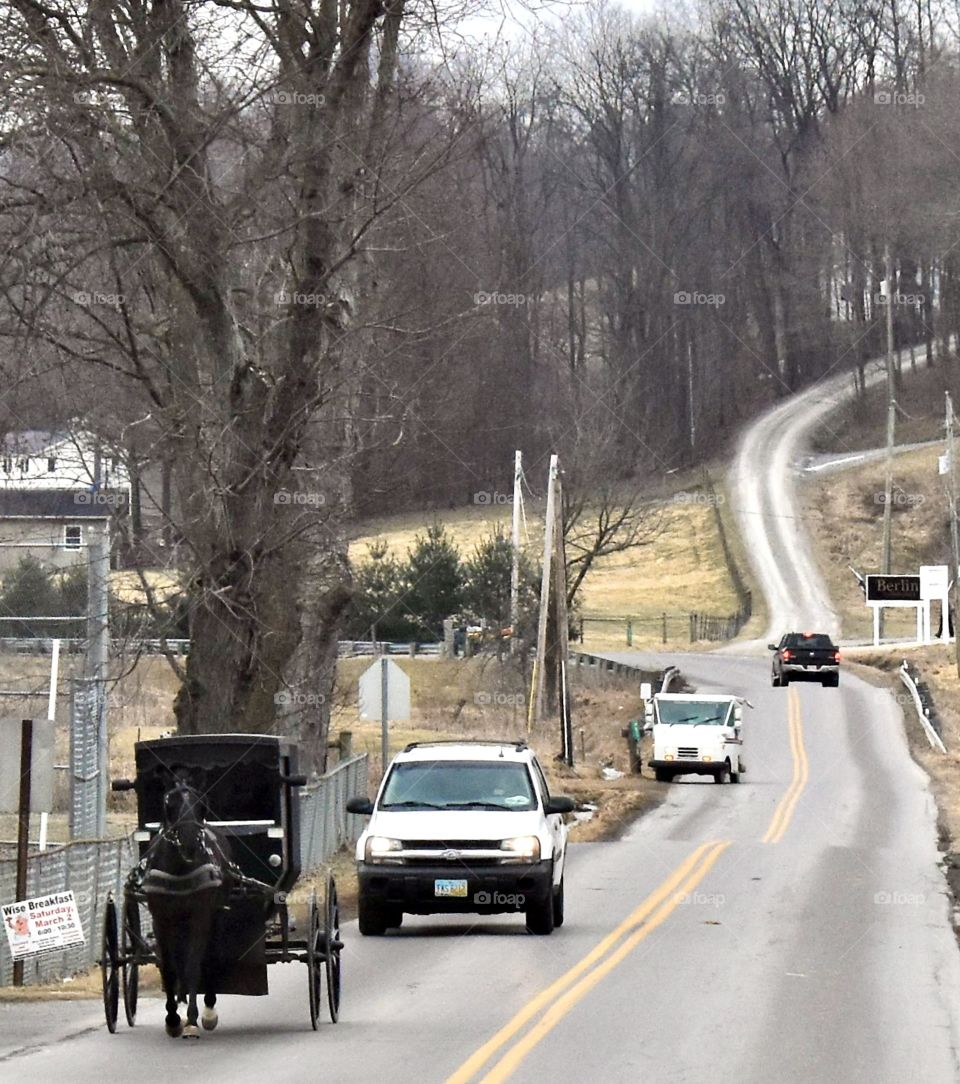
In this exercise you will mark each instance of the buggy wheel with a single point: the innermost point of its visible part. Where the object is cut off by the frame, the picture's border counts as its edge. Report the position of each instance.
(131, 943)
(331, 947)
(109, 962)
(314, 954)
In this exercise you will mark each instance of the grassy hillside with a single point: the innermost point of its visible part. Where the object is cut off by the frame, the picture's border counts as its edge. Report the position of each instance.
(862, 423)
(844, 515)
(681, 569)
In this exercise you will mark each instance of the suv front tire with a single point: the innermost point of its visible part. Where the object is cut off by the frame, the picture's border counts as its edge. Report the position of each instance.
(541, 916)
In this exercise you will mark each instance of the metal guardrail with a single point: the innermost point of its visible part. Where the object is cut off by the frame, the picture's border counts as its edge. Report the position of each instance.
(585, 663)
(923, 706)
(386, 647)
(670, 675)
(37, 645)
(94, 868)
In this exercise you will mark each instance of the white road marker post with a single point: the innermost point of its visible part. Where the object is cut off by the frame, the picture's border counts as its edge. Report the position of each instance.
(51, 716)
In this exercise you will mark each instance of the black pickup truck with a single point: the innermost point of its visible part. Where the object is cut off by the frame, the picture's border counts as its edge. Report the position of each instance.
(806, 656)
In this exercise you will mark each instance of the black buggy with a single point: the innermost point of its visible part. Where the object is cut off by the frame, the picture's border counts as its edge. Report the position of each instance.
(249, 787)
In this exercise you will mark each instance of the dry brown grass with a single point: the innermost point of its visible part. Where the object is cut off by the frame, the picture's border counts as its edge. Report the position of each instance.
(861, 423)
(682, 569)
(844, 514)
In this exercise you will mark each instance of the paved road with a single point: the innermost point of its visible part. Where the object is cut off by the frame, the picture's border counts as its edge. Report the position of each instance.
(762, 486)
(794, 928)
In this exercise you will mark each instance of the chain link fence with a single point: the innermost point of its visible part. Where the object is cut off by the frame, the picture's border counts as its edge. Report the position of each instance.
(92, 870)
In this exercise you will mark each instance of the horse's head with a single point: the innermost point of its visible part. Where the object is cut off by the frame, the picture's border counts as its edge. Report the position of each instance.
(183, 816)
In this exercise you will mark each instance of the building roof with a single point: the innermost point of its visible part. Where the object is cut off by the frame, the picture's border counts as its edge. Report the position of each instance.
(62, 504)
(30, 441)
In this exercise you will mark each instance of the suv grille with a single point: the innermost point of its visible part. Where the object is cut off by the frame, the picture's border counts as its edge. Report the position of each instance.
(428, 852)
(689, 751)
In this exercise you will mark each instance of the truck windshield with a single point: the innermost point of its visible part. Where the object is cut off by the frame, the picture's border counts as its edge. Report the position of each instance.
(693, 712)
(459, 784)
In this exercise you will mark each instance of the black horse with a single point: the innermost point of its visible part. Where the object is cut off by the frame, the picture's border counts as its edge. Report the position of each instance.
(186, 881)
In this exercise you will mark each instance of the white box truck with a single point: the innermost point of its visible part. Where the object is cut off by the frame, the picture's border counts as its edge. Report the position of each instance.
(696, 734)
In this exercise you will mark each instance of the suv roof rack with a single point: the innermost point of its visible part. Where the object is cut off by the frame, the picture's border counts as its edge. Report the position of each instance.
(518, 743)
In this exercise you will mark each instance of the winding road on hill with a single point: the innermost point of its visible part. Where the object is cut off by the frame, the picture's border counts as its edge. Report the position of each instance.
(762, 489)
(795, 928)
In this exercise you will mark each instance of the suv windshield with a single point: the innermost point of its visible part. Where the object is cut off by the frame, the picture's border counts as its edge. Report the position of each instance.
(459, 784)
(692, 712)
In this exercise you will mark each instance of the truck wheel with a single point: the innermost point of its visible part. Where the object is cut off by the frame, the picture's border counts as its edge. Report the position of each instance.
(784, 680)
(831, 681)
(662, 775)
(734, 777)
(558, 905)
(372, 919)
(723, 775)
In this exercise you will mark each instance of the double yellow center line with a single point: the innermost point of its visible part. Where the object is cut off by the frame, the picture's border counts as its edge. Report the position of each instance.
(502, 1054)
(549, 1007)
(801, 772)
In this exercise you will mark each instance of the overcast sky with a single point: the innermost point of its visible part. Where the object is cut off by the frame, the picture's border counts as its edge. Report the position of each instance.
(515, 14)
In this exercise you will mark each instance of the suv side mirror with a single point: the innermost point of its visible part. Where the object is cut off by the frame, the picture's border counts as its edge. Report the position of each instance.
(361, 806)
(559, 804)
(773, 647)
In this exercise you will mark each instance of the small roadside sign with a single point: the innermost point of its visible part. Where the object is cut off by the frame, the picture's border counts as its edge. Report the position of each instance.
(943, 463)
(384, 692)
(40, 925)
(41, 766)
(934, 582)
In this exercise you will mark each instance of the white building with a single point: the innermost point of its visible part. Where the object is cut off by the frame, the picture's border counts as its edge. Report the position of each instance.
(39, 460)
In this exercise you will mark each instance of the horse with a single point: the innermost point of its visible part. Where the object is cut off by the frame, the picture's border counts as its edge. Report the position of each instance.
(186, 881)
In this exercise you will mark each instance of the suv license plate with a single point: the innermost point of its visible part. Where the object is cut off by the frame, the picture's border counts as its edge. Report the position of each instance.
(450, 888)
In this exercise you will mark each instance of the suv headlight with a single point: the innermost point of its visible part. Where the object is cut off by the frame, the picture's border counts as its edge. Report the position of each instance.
(381, 850)
(521, 849)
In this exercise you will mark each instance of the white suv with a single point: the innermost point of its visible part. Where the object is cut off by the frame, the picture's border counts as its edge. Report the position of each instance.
(462, 827)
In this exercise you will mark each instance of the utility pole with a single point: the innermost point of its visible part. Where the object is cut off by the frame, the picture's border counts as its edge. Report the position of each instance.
(887, 545)
(515, 541)
(563, 639)
(952, 491)
(549, 526)
(98, 586)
